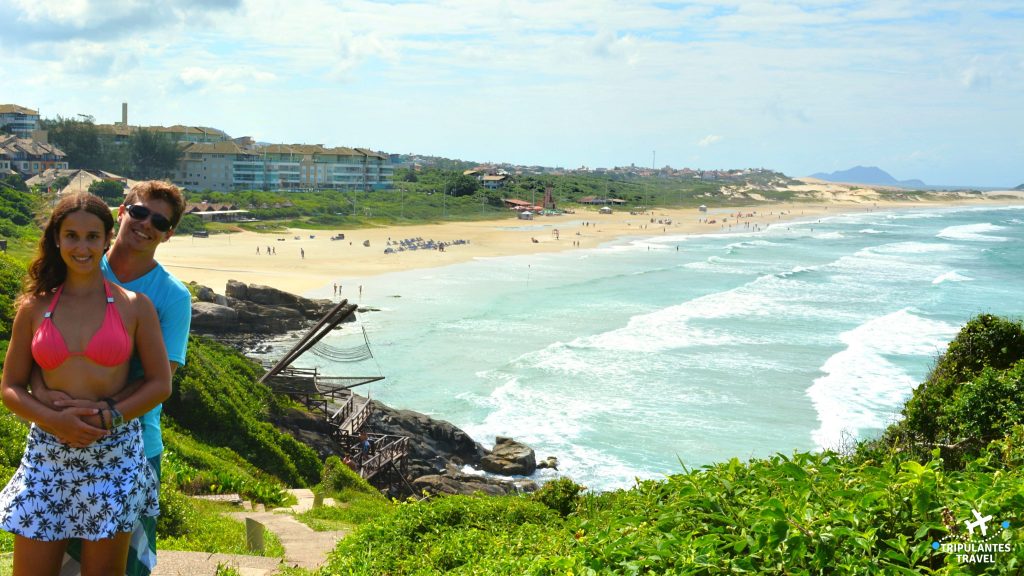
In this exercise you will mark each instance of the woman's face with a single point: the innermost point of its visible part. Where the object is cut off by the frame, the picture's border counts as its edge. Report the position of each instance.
(82, 241)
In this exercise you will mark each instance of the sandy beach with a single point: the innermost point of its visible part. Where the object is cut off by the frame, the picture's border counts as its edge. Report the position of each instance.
(304, 261)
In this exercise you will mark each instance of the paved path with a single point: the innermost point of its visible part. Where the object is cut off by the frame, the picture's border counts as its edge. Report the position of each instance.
(303, 547)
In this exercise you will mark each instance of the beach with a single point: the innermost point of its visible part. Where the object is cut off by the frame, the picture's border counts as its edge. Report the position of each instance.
(626, 358)
(302, 261)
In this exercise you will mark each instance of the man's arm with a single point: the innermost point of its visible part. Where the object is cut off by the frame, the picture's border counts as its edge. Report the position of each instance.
(129, 388)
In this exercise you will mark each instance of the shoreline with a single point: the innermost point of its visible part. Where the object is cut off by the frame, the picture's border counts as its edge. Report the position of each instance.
(305, 261)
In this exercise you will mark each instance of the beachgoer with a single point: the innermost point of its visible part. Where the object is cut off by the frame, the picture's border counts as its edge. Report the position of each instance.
(131, 263)
(90, 480)
(302, 252)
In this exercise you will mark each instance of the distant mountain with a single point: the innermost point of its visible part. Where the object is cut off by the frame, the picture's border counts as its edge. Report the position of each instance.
(1021, 187)
(868, 175)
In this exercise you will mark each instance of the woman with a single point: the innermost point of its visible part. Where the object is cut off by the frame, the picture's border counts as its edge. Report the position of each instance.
(80, 332)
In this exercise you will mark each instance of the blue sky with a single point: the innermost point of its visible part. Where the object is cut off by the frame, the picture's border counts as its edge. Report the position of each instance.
(929, 90)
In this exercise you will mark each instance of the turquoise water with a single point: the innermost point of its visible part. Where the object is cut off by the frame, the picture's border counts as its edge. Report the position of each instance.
(624, 360)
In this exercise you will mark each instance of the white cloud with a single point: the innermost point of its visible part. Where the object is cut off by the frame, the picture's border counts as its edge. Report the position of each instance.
(709, 140)
(572, 82)
(238, 79)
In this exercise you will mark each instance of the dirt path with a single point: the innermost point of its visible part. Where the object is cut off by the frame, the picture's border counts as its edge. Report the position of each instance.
(303, 547)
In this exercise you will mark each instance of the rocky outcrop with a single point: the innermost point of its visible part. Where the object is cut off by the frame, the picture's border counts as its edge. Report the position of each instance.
(510, 457)
(438, 450)
(435, 446)
(460, 483)
(252, 309)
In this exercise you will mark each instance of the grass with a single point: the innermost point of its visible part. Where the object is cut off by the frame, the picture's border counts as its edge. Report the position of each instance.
(345, 515)
(216, 531)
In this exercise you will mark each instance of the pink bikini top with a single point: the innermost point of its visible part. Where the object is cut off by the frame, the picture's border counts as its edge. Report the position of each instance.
(109, 346)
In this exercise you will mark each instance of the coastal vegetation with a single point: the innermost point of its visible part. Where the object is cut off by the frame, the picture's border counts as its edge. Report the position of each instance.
(435, 195)
(894, 505)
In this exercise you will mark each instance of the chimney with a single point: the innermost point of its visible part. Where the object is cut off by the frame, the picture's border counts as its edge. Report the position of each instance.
(124, 113)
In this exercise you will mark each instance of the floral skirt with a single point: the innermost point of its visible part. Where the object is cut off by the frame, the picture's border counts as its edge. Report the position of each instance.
(61, 492)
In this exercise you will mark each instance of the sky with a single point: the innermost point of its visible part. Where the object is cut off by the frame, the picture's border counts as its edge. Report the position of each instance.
(929, 90)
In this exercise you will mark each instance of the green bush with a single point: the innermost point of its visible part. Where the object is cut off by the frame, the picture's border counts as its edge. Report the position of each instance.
(338, 477)
(561, 495)
(218, 400)
(450, 535)
(178, 515)
(985, 341)
(989, 405)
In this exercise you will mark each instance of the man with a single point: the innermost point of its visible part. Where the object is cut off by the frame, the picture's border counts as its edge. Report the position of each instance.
(147, 218)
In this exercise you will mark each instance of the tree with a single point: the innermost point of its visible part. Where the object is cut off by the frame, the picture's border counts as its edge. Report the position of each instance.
(15, 181)
(463, 185)
(78, 139)
(109, 190)
(152, 155)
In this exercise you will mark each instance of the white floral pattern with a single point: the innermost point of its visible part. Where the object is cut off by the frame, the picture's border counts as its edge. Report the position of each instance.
(61, 492)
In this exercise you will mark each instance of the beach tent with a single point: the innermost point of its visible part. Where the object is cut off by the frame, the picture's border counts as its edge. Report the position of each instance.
(605, 210)
(526, 215)
(702, 208)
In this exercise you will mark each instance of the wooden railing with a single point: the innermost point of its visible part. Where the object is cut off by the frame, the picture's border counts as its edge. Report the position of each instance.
(389, 449)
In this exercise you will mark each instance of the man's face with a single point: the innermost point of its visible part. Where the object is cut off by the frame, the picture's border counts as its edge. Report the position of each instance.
(138, 230)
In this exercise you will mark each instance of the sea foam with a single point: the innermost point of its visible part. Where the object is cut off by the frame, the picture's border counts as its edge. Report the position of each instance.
(861, 387)
(972, 233)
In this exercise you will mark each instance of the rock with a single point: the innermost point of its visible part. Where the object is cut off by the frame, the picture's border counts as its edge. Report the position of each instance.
(510, 458)
(258, 310)
(210, 317)
(434, 445)
(206, 294)
(549, 462)
(468, 484)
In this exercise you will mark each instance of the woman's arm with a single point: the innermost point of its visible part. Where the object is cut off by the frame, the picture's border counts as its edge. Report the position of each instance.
(67, 425)
(149, 346)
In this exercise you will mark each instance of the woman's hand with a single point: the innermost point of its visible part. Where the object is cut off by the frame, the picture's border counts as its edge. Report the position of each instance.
(72, 426)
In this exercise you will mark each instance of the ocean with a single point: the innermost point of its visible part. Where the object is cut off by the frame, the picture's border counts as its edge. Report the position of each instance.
(640, 357)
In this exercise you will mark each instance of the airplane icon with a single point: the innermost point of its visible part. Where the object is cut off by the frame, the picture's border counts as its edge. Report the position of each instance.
(978, 522)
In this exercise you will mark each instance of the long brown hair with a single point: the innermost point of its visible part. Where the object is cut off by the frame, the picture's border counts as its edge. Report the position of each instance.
(48, 270)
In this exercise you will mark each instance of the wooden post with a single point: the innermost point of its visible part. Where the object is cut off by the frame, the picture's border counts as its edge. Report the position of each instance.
(254, 536)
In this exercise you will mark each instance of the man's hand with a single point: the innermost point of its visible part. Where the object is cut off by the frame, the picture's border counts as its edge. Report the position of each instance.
(43, 393)
(69, 402)
(71, 426)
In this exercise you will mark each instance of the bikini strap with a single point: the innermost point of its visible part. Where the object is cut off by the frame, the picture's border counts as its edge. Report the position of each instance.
(53, 303)
(106, 287)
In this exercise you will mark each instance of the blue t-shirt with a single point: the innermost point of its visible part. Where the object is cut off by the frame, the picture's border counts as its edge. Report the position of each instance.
(173, 305)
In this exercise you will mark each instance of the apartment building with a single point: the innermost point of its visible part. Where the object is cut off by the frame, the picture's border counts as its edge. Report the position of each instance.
(29, 157)
(231, 165)
(120, 133)
(18, 120)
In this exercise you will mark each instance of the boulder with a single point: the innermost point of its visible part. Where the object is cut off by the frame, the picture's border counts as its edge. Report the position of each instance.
(258, 310)
(468, 484)
(434, 445)
(213, 318)
(510, 457)
(549, 462)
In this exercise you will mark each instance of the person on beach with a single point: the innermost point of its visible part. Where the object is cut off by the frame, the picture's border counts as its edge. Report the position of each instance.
(148, 218)
(90, 479)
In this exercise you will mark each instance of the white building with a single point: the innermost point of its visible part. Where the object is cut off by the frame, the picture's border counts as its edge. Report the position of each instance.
(18, 120)
(229, 165)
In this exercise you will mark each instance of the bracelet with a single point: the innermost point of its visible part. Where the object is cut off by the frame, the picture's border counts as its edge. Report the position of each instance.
(103, 421)
(110, 402)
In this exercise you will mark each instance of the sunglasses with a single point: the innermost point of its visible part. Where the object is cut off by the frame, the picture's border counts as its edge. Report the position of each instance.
(140, 212)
